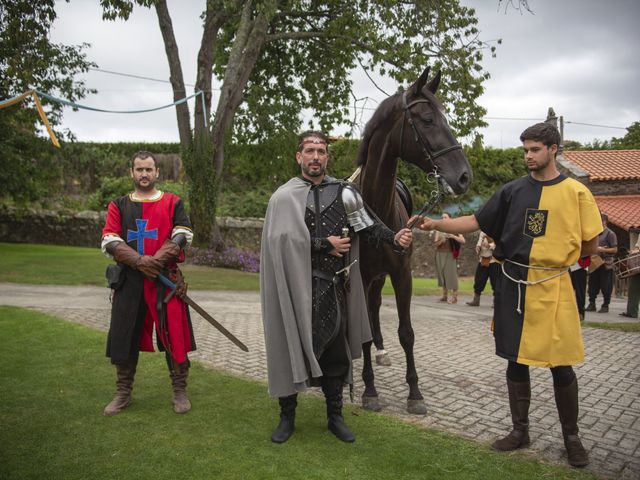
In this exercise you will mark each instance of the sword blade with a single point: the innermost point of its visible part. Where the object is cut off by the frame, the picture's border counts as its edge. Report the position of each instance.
(169, 284)
(215, 323)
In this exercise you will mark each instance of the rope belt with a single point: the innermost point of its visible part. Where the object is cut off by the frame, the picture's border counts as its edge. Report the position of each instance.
(560, 271)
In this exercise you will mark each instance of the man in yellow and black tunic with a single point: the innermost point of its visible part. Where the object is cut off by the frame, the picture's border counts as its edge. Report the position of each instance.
(541, 223)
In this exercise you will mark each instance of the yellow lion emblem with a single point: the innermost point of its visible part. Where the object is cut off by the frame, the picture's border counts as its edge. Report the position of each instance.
(535, 223)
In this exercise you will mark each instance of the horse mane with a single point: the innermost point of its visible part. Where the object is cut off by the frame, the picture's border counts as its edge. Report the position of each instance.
(381, 115)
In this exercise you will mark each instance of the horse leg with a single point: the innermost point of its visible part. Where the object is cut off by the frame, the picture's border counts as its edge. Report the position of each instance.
(402, 284)
(374, 301)
(370, 394)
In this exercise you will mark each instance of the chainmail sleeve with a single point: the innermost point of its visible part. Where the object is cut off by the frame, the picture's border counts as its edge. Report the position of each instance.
(379, 232)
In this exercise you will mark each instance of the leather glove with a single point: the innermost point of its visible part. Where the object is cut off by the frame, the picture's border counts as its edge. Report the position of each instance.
(123, 253)
(181, 286)
(167, 253)
(149, 266)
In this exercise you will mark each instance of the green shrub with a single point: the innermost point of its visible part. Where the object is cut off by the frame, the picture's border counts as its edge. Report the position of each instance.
(110, 189)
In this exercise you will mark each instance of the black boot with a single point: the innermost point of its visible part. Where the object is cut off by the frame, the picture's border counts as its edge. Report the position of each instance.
(285, 428)
(519, 400)
(476, 300)
(332, 389)
(567, 403)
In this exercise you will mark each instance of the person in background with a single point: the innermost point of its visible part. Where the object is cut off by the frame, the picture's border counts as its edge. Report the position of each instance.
(633, 294)
(601, 279)
(447, 250)
(579, 281)
(487, 269)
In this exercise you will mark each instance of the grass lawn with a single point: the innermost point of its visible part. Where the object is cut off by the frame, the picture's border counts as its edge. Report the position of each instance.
(619, 326)
(60, 265)
(55, 381)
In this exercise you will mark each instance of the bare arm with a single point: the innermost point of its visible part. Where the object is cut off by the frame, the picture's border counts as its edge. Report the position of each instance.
(606, 249)
(459, 238)
(466, 224)
(589, 247)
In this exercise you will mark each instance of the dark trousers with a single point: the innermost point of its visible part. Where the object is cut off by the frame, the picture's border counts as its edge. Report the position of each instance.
(601, 281)
(634, 296)
(483, 274)
(579, 281)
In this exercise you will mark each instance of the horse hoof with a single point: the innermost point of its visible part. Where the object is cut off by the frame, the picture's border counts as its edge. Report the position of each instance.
(383, 359)
(416, 407)
(371, 403)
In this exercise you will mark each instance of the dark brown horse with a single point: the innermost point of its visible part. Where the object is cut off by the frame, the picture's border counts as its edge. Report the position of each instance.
(409, 125)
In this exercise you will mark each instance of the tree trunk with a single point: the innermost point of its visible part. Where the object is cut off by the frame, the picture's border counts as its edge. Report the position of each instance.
(176, 77)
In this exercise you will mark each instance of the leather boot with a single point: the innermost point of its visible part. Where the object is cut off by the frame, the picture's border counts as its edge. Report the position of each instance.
(567, 403)
(332, 389)
(179, 374)
(125, 374)
(285, 428)
(476, 300)
(519, 400)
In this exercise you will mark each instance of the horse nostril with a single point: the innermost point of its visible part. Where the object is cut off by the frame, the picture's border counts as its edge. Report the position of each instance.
(464, 180)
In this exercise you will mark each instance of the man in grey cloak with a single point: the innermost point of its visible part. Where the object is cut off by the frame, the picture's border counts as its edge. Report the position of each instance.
(313, 305)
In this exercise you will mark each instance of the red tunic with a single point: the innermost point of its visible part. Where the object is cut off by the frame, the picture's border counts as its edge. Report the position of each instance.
(145, 225)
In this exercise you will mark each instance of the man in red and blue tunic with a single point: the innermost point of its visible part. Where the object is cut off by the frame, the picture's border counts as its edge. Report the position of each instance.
(145, 233)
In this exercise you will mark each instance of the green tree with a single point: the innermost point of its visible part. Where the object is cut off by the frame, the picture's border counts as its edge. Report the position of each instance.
(29, 60)
(630, 141)
(278, 58)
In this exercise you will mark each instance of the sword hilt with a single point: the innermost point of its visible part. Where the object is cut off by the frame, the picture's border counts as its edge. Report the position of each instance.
(166, 282)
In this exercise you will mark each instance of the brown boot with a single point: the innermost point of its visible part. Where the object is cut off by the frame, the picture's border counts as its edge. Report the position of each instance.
(476, 300)
(519, 399)
(567, 403)
(124, 384)
(181, 403)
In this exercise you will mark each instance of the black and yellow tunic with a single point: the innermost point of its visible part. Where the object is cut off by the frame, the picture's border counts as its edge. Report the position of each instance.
(539, 224)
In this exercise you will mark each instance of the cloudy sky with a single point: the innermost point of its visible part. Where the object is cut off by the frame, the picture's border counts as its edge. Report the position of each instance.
(578, 56)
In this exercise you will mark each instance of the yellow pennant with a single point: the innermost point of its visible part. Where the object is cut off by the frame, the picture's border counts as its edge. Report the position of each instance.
(43, 115)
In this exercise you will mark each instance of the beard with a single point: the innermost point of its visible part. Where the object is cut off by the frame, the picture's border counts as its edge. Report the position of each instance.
(539, 166)
(314, 173)
(149, 186)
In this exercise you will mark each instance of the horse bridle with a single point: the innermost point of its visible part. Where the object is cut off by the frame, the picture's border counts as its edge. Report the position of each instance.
(420, 140)
(437, 195)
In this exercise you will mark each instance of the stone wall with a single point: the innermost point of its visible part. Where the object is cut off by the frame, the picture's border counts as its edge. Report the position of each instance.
(84, 229)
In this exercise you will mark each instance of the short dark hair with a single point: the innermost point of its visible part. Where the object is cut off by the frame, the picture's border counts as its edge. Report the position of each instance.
(312, 133)
(143, 155)
(542, 132)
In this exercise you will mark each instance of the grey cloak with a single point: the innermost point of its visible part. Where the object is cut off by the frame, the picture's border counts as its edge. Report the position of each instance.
(286, 294)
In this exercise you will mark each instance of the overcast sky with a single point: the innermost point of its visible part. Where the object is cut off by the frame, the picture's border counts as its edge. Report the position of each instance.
(578, 56)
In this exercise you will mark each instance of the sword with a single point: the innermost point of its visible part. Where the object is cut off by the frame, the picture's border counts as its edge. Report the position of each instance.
(169, 284)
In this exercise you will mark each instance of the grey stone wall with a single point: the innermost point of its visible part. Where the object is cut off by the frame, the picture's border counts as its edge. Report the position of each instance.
(84, 229)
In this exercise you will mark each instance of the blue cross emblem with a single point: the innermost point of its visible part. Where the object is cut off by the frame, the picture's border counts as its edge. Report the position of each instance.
(141, 234)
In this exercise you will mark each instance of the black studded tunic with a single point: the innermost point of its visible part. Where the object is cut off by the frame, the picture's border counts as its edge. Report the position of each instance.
(325, 216)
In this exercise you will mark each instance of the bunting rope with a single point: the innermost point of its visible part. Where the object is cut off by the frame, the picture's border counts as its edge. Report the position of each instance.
(37, 93)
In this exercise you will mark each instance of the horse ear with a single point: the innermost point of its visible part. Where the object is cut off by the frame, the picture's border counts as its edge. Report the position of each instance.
(420, 83)
(434, 83)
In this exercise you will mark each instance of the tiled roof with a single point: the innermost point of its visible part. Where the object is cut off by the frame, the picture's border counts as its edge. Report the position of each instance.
(602, 165)
(623, 210)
